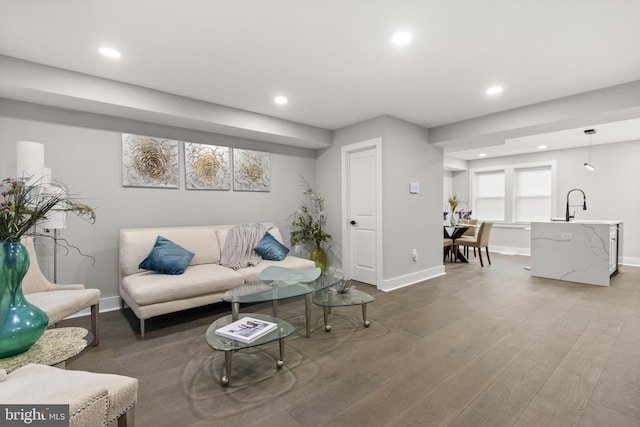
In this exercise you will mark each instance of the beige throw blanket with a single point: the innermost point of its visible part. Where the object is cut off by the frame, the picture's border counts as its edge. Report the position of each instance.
(238, 247)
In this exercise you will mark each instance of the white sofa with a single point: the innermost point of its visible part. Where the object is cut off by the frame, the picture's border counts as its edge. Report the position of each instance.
(151, 294)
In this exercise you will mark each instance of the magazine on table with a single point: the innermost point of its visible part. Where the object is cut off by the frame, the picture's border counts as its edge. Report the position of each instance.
(246, 329)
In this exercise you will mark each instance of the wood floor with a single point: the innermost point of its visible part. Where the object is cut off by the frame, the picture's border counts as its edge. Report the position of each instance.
(478, 347)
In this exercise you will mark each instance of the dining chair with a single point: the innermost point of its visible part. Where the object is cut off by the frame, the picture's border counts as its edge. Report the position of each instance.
(470, 232)
(56, 300)
(481, 241)
(447, 247)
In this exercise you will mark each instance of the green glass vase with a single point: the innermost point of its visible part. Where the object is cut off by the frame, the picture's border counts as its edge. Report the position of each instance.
(21, 323)
(319, 256)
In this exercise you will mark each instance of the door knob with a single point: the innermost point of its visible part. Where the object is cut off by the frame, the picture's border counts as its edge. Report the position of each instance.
(353, 222)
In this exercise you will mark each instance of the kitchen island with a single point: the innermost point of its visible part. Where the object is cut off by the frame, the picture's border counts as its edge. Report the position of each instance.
(577, 251)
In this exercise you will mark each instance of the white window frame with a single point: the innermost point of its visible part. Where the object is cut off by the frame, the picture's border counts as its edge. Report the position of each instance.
(510, 196)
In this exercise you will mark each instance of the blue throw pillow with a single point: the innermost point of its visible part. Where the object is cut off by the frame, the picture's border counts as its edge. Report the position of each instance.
(270, 249)
(166, 257)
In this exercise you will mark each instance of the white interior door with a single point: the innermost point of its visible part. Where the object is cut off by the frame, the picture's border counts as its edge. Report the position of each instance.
(362, 213)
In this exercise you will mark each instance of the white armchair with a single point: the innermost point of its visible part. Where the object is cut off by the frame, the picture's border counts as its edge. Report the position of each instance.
(58, 301)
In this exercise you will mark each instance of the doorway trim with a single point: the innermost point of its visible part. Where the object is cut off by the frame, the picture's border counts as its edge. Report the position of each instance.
(347, 268)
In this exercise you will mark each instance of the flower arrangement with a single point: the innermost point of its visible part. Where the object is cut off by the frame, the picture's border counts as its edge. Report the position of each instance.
(309, 221)
(453, 202)
(24, 205)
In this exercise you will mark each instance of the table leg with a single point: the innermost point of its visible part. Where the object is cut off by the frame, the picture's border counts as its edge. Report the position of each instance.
(227, 368)
(280, 362)
(460, 255)
(274, 304)
(364, 316)
(326, 311)
(307, 313)
(235, 311)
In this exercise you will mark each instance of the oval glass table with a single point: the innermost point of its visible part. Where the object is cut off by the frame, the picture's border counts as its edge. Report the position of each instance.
(275, 290)
(228, 345)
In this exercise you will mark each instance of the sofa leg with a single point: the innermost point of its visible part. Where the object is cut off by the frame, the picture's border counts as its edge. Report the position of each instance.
(141, 328)
(95, 324)
(127, 419)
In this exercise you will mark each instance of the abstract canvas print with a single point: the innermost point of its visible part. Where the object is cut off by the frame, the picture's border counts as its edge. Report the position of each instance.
(206, 167)
(251, 170)
(148, 161)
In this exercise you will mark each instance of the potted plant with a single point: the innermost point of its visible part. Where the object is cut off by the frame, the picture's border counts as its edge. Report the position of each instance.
(308, 224)
(23, 206)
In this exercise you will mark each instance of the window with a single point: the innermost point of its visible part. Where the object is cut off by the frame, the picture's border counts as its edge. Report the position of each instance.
(490, 195)
(514, 193)
(532, 188)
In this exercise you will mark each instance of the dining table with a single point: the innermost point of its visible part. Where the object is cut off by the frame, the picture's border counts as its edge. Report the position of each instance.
(453, 232)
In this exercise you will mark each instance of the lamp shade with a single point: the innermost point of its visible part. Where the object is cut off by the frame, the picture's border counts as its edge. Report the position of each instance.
(30, 161)
(55, 219)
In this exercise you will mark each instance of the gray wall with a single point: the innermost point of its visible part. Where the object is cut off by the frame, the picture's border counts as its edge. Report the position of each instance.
(84, 152)
(409, 220)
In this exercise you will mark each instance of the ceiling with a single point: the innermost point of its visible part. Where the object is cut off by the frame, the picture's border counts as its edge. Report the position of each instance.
(605, 133)
(333, 59)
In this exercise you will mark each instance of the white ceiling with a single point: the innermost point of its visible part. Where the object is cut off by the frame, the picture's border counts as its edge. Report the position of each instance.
(605, 133)
(333, 59)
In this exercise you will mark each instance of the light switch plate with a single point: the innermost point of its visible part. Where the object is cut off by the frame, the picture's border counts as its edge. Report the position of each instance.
(414, 188)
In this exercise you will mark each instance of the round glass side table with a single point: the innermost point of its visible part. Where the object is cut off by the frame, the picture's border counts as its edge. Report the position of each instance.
(330, 297)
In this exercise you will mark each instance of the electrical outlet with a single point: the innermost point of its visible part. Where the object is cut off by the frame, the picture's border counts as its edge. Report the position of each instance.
(414, 255)
(566, 236)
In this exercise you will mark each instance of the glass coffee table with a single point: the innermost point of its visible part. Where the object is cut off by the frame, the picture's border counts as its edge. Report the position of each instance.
(276, 290)
(329, 298)
(228, 345)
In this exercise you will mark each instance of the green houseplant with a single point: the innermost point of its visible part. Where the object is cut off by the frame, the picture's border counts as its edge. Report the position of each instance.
(308, 224)
(23, 206)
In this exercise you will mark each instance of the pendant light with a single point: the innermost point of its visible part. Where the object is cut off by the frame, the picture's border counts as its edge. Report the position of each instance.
(588, 164)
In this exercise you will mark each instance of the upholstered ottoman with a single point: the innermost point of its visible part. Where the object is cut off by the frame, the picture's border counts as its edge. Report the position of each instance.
(94, 399)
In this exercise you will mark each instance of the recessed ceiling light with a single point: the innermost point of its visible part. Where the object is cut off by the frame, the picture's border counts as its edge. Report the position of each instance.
(109, 52)
(494, 90)
(482, 155)
(542, 147)
(280, 100)
(402, 38)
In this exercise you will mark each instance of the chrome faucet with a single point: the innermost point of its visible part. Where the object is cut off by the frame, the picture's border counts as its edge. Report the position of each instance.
(568, 217)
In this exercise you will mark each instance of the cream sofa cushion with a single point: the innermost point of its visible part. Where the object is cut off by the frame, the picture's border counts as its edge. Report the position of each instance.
(136, 243)
(251, 274)
(59, 304)
(151, 288)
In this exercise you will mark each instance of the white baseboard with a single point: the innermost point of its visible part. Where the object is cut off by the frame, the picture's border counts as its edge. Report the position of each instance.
(410, 279)
(633, 262)
(507, 250)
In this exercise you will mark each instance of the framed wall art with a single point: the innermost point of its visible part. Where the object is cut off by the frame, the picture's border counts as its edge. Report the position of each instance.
(206, 167)
(251, 170)
(149, 162)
